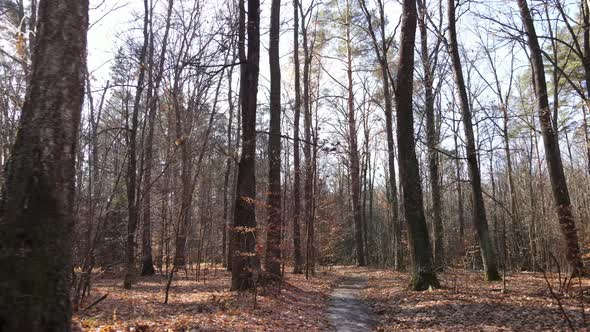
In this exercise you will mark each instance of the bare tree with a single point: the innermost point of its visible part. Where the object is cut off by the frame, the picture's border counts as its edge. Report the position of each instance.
(246, 263)
(559, 186)
(131, 137)
(479, 213)
(297, 256)
(154, 80)
(429, 63)
(423, 275)
(273, 235)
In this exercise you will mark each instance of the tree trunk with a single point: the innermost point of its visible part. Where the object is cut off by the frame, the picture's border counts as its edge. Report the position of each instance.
(36, 210)
(381, 49)
(132, 198)
(586, 63)
(228, 167)
(273, 235)
(479, 213)
(353, 150)
(423, 275)
(154, 81)
(432, 141)
(297, 257)
(246, 263)
(308, 165)
(552, 156)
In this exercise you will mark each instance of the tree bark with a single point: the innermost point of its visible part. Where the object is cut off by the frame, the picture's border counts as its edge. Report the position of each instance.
(479, 213)
(557, 178)
(228, 168)
(353, 150)
(432, 141)
(423, 275)
(308, 165)
(132, 199)
(246, 263)
(36, 210)
(273, 235)
(154, 81)
(297, 257)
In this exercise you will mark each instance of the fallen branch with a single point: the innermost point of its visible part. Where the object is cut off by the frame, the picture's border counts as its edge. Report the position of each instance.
(97, 301)
(563, 313)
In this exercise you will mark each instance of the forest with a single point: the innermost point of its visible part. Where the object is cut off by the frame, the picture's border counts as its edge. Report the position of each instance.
(301, 165)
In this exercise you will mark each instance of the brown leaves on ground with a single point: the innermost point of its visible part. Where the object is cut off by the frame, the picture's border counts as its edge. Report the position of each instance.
(208, 305)
(467, 303)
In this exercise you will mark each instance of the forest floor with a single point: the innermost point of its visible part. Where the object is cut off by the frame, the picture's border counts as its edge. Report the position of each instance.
(467, 303)
(464, 303)
(208, 305)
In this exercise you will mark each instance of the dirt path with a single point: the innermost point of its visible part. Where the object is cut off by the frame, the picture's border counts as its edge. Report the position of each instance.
(347, 312)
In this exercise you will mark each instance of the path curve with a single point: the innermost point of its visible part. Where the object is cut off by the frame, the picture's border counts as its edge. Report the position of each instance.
(347, 312)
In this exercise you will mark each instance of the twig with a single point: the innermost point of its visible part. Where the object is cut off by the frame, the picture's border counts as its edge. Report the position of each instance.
(564, 314)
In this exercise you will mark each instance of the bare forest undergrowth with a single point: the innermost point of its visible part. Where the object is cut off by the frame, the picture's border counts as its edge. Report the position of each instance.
(467, 303)
(464, 303)
(208, 305)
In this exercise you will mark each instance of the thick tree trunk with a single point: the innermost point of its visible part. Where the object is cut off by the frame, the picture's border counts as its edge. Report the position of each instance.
(272, 262)
(36, 211)
(559, 186)
(479, 213)
(423, 275)
(246, 263)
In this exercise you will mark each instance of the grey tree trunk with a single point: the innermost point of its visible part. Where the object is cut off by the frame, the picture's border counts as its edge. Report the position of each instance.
(36, 210)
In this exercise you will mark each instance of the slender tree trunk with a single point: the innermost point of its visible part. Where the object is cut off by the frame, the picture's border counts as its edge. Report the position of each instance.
(132, 198)
(459, 188)
(353, 150)
(552, 156)
(246, 263)
(423, 275)
(37, 206)
(154, 81)
(381, 49)
(308, 165)
(479, 213)
(297, 257)
(273, 235)
(432, 140)
(586, 136)
(228, 167)
(585, 11)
